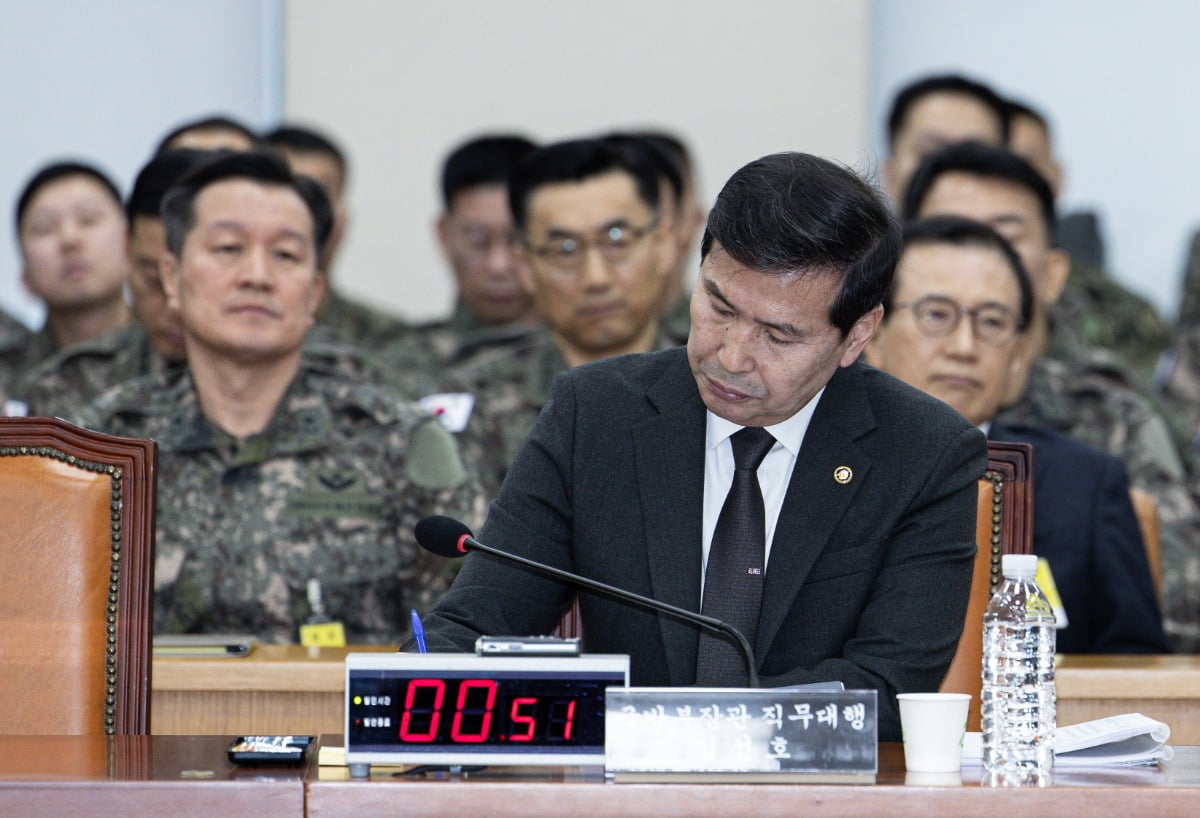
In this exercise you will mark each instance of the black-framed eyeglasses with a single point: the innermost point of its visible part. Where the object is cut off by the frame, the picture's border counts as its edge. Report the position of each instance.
(615, 245)
(937, 316)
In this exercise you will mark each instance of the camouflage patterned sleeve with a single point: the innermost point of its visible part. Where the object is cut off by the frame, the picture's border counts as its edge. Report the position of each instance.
(1121, 422)
(1154, 466)
(435, 482)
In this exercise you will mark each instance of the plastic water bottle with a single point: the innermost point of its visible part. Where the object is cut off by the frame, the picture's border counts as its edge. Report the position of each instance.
(1018, 700)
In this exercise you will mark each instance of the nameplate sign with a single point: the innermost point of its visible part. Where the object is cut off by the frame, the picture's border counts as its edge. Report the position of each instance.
(741, 734)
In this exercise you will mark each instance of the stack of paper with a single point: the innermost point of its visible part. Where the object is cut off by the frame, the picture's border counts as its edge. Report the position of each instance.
(1129, 738)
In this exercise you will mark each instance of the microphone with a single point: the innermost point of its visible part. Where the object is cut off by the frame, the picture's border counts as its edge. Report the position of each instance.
(451, 538)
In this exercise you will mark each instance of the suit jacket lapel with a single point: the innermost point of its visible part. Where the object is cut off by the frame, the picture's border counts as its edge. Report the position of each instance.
(669, 452)
(815, 499)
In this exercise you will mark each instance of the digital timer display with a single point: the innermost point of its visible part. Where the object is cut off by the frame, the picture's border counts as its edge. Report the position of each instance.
(468, 709)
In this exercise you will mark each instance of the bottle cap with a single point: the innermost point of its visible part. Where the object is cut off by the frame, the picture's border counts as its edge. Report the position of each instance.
(1019, 566)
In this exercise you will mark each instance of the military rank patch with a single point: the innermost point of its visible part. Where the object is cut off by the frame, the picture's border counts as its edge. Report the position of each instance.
(332, 493)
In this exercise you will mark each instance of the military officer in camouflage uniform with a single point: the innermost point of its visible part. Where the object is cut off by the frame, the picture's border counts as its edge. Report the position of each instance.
(475, 233)
(1087, 402)
(595, 258)
(688, 215)
(1095, 314)
(286, 490)
(315, 155)
(65, 383)
(71, 232)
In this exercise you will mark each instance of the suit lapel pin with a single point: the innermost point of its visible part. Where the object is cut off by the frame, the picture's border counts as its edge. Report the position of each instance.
(843, 475)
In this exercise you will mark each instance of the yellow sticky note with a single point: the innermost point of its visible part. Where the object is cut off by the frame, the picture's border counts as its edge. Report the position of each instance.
(1045, 581)
(323, 635)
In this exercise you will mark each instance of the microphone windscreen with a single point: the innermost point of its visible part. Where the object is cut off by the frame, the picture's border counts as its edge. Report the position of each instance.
(441, 534)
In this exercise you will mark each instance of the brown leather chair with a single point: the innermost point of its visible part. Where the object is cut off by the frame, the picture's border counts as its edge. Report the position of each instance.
(77, 549)
(1146, 509)
(570, 626)
(1003, 525)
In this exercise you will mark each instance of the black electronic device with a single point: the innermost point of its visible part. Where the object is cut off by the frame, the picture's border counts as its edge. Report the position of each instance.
(461, 709)
(269, 750)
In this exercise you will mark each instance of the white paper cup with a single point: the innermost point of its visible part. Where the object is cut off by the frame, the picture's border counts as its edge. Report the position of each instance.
(934, 725)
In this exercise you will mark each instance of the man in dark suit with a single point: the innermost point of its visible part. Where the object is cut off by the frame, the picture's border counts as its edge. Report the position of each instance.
(1084, 523)
(868, 491)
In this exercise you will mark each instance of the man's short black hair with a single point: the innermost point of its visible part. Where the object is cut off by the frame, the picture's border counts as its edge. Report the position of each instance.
(672, 145)
(1018, 108)
(307, 140)
(213, 122)
(485, 160)
(54, 172)
(157, 177)
(179, 204)
(912, 93)
(977, 159)
(668, 167)
(577, 160)
(961, 232)
(793, 212)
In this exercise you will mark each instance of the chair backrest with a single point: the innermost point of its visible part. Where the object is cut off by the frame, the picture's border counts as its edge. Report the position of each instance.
(77, 550)
(570, 626)
(1146, 509)
(1003, 525)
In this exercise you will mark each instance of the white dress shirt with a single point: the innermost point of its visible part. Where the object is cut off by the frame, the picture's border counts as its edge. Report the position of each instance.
(774, 473)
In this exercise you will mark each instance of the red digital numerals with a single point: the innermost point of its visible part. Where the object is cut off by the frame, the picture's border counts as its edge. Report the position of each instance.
(474, 707)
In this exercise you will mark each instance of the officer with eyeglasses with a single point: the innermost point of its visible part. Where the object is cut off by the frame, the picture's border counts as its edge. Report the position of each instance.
(955, 322)
(476, 235)
(592, 255)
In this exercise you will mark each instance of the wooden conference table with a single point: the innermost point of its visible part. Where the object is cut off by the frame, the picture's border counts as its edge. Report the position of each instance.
(139, 775)
(292, 689)
(189, 775)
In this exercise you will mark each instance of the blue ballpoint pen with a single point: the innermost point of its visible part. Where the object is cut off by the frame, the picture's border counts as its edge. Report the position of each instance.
(418, 631)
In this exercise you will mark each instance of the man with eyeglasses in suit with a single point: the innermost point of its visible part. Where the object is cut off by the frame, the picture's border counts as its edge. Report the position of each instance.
(593, 254)
(956, 318)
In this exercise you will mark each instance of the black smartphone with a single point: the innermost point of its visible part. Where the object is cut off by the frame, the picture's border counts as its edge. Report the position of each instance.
(269, 750)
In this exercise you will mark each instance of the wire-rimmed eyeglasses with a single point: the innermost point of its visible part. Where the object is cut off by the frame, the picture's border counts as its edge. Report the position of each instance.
(937, 316)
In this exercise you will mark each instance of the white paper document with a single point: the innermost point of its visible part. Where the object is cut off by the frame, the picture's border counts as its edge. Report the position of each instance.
(1129, 738)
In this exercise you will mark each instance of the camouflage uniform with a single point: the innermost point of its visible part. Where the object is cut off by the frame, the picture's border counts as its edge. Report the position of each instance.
(20, 352)
(1092, 408)
(1177, 382)
(66, 382)
(11, 327)
(330, 491)
(359, 324)
(1096, 319)
(13, 337)
(449, 342)
(510, 387)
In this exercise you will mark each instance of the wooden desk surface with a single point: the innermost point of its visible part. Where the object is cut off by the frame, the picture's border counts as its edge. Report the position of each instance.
(140, 775)
(1172, 790)
(1129, 677)
(1166, 688)
(265, 668)
(286, 689)
(293, 689)
(189, 775)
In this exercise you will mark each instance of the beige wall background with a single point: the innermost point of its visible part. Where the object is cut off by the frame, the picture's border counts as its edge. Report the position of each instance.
(400, 83)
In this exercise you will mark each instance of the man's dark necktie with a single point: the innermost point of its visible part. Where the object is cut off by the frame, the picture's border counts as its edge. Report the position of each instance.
(733, 581)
